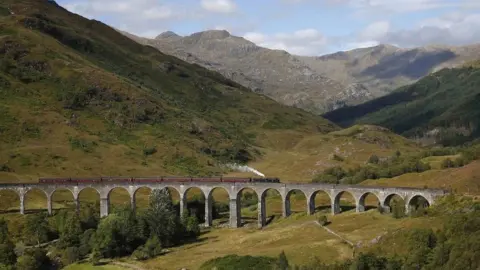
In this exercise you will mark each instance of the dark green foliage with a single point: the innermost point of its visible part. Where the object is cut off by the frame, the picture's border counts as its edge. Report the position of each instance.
(117, 235)
(397, 208)
(7, 254)
(71, 233)
(83, 144)
(149, 151)
(4, 11)
(33, 259)
(70, 255)
(235, 262)
(390, 167)
(331, 175)
(151, 249)
(162, 218)
(373, 159)
(26, 262)
(191, 225)
(448, 163)
(95, 257)
(447, 99)
(249, 199)
(87, 241)
(36, 229)
(282, 263)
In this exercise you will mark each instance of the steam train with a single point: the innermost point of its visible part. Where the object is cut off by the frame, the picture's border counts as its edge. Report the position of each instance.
(159, 179)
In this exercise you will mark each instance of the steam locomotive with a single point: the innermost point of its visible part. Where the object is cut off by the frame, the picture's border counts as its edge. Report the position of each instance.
(105, 180)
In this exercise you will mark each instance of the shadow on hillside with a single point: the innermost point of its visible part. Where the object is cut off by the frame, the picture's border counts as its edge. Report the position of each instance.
(413, 64)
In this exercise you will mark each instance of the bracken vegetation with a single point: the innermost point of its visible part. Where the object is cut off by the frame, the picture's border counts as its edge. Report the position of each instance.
(66, 80)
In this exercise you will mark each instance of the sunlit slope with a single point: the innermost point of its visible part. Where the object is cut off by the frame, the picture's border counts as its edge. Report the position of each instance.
(464, 180)
(78, 98)
(296, 158)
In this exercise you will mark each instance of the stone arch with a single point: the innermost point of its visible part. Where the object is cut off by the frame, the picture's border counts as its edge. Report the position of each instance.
(89, 199)
(35, 205)
(140, 197)
(10, 200)
(288, 202)
(312, 200)
(336, 207)
(119, 196)
(61, 197)
(194, 202)
(417, 201)
(390, 198)
(274, 208)
(364, 199)
(251, 201)
(214, 206)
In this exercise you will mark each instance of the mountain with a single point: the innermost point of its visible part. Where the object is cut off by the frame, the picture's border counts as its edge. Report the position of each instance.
(80, 98)
(383, 68)
(275, 73)
(316, 84)
(443, 107)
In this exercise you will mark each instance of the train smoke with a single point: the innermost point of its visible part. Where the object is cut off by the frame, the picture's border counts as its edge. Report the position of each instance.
(243, 168)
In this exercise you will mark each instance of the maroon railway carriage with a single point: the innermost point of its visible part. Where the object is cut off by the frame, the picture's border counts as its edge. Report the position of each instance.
(120, 179)
(147, 179)
(117, 179)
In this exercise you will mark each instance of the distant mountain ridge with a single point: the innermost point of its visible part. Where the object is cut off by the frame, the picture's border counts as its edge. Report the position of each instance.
(317, 84)
(443, 107)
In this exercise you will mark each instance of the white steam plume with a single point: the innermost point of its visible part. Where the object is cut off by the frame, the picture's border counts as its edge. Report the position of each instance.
(243, 168)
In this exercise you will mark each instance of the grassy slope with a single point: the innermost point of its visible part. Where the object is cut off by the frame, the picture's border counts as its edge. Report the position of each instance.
(462, 180)
(448, 98)
(81, 98)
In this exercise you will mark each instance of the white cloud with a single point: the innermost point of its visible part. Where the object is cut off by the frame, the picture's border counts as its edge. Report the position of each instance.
(219, 6)
(451, 29)
(301, 42)
(375, 30)
(396, 6)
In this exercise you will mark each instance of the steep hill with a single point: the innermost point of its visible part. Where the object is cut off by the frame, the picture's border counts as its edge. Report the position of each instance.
(442, 107)
(317, 84)
(80, 98)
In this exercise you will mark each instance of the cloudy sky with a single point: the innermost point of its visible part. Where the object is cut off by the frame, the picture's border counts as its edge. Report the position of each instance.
(304, 27)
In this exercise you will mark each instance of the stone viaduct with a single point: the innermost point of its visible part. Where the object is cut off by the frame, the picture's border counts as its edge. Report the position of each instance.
(359, 193)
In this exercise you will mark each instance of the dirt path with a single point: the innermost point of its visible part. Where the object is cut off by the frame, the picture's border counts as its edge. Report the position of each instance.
(337, 235)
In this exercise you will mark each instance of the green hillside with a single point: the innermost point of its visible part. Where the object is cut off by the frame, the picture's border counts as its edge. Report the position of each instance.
(447, 101)
(80, 98)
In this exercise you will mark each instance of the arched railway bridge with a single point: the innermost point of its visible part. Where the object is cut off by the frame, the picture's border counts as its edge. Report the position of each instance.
(359, 193)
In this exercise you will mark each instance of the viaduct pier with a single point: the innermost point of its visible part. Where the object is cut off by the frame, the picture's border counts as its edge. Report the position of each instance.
(359, 193)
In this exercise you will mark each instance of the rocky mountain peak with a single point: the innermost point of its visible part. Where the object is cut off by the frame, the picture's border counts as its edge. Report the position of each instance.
(167, 34)
(212, 34)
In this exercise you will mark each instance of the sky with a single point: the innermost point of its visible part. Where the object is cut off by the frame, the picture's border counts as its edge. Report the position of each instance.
(302, 27)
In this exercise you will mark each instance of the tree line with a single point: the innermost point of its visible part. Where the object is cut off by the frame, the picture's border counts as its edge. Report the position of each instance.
(141, 235)
(398, 164)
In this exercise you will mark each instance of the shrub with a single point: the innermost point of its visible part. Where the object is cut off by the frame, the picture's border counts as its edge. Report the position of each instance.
(322, 220)
(398, 209)
(338, 158)
(234, 262)
(373, 159)
(149, 151)
(70, 255)
(448, 163)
